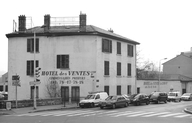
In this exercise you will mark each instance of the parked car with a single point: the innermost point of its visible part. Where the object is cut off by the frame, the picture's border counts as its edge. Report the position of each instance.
(115, 101)
(131, 97)
(93, 99)
(158, 97)
(186, 96)
(141, 98)
(174, 96)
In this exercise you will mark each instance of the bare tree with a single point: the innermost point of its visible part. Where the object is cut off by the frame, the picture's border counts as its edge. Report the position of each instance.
(53, 89)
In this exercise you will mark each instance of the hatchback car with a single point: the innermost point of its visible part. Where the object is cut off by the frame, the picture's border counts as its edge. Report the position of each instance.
(115, 101)
(186, 96)
(158, 97)
(141, 98)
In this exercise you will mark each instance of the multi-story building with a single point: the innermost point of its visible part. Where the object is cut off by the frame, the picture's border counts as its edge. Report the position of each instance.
(75, 59)
(182, 66)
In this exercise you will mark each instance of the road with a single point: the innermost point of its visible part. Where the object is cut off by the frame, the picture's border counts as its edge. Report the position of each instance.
(153, 113)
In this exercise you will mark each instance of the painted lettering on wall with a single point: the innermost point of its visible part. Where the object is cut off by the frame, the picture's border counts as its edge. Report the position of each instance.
(153, 84)
(67, 77)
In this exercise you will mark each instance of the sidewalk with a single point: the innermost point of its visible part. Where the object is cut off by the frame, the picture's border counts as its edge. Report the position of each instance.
(188, 109)
(38, 109)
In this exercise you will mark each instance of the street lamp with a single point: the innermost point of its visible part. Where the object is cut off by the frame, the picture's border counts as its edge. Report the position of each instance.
(159, 73)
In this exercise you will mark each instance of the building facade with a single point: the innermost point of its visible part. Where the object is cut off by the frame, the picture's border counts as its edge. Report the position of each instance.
(70, 60)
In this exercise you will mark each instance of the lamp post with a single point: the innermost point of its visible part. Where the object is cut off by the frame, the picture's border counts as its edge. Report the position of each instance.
(34, 96)
(159, 73)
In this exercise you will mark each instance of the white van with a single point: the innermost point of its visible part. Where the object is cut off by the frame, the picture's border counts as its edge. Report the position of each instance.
(174, 96)
(93, 99)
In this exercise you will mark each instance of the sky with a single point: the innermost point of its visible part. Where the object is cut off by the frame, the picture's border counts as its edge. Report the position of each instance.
(162, 27)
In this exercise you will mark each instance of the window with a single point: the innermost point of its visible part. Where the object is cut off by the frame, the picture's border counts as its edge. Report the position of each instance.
(130, 50)
(63, 61)
(129, 89)
(106, 68)
(30, 67)
(32, 92)
(128, 69)
(118, 69)
(118, 48)
(106, 89)
(106, 45)
(30, 45)
(118, 90)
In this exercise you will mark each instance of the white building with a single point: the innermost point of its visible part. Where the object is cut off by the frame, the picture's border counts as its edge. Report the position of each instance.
(78, 59)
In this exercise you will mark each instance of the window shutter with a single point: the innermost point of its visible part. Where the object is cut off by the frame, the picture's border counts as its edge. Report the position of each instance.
(32, 43)
(37, 63)
(28, 67)
(32, 67)
(110, 42)
(58, 61)
(28, 45)
(37, 45)
(102, 45)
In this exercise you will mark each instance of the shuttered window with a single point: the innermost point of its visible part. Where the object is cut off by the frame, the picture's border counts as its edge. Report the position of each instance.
(30, 67)
(118, 48)
(106, 68)
(128, 69)
(63, 61)
(30, 45)
(106, 45)
(118, 69)
(130, 50)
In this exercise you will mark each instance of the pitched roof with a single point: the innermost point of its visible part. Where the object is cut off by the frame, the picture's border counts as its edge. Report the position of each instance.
(177, 57)
(69, 31)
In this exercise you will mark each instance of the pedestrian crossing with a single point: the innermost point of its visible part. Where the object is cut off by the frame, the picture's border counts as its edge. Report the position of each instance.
(105, 113)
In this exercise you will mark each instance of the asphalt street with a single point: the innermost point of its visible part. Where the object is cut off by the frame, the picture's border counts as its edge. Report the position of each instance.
(154, 113)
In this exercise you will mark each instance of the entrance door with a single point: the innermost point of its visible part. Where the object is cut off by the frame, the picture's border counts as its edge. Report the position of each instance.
(65, 93)
(75, 94)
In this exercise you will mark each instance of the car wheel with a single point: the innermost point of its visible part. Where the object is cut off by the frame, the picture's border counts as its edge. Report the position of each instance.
(126, 104)
(113, 106)
(179, 100)
(165, 101)
(101, 107)
(147, 103)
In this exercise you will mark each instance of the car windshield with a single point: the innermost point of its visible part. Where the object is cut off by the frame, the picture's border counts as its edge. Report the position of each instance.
(155, 94)
(132, 96)
(90, 97)
(186, 94)
(172, 94)
(111, 98)
(137, 96)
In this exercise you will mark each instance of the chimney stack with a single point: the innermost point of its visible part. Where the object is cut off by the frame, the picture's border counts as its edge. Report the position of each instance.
(82, 22)
(22, 23)
(46, 23)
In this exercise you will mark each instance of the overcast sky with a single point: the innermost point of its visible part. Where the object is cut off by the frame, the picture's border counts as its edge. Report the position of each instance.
(162, 27)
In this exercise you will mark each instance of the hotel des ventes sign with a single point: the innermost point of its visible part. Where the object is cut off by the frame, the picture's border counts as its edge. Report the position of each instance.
(68, 77)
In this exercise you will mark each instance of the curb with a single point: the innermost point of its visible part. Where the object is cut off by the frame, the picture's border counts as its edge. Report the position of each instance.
(187, 111)
(53, 109)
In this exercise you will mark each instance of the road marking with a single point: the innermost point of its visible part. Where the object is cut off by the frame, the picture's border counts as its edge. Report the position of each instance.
(140, 114)
(130, 112)
(183, 115)
(91, 112)
(170, 115)
(156, 114)
(73, 112)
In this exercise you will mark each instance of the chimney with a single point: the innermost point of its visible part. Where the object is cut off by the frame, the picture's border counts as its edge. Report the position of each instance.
(22, 23)
(82, 22)
(46, 23)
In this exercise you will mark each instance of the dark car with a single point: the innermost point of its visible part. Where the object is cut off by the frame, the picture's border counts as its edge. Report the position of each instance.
(140, 98)
(114, 101)
(131, 98)
(158, 97)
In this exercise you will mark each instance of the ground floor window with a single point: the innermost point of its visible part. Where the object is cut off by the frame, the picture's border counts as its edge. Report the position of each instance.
(75, 92)
(106, 89)
(138, 90)
(118, 90)
(32, 92)
(129, 89)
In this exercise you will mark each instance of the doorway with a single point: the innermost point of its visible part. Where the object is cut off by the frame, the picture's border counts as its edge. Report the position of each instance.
(75, 92)
(65, 93)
